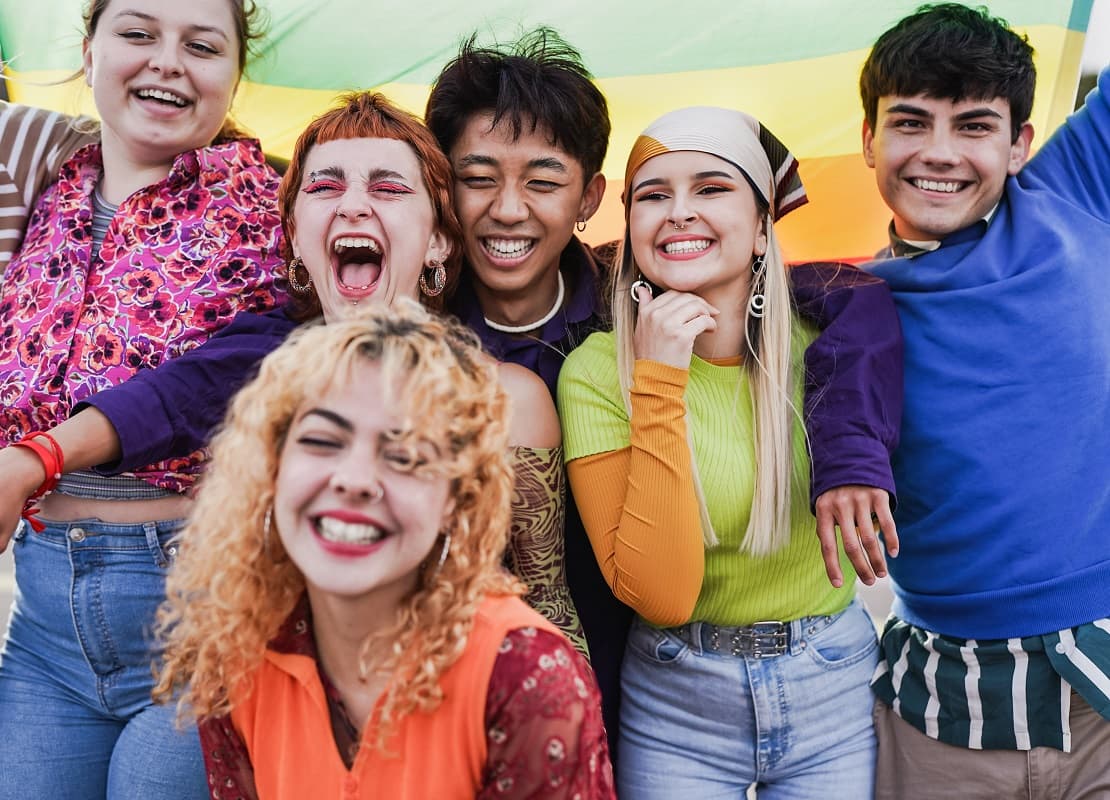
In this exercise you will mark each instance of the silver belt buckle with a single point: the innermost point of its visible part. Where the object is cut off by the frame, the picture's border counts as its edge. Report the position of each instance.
(767, 639)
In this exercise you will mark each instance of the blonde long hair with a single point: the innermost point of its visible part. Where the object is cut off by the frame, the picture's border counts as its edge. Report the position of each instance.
(769, 364)
(232, 585)
(771, 171)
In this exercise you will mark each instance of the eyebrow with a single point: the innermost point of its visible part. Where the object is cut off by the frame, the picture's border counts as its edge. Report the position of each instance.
(381, 173)
(327, 172)
(698, 176)
(130, 12)
(907, 108)
(548, 162)
(331, 416)
(477, 160)
(544, 162)
(918, 111)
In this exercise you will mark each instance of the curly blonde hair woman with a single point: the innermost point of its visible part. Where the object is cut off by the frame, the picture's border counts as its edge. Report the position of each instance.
(341, 613)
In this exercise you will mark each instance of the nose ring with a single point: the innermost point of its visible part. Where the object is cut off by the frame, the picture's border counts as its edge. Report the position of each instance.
(338, 213)
(678, 227)
(377, 493)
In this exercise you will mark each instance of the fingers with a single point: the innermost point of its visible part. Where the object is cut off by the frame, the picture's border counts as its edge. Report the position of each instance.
(885, 520)
(666, 326)
(826, 535)
(861, 513)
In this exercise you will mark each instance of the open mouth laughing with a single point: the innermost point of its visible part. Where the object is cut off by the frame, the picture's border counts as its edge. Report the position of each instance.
(358, 263)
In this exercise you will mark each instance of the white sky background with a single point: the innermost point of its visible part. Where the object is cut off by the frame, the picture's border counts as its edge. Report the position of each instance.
(1096, 51)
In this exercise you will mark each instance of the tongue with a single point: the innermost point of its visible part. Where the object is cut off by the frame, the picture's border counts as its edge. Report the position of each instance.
(358, 274)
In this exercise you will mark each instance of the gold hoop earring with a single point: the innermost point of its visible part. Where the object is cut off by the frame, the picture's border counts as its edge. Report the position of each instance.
(439, 279)
(291, 276)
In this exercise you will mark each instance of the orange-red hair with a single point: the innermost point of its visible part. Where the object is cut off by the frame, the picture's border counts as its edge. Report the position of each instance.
(370, 115)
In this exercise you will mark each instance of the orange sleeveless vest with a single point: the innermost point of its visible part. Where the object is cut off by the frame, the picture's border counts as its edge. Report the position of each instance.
(285, 726)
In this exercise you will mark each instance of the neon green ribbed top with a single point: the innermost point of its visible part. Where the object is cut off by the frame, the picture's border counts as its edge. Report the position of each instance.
(737, 589)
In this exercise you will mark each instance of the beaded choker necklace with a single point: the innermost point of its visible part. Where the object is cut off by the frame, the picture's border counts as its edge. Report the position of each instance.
(531, 326)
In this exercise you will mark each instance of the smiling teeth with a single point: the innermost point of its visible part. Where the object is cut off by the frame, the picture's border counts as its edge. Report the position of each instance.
(508, 248)
(350, 242)
(687, 246)
(335, 530)
(937, 186)
(161, 94)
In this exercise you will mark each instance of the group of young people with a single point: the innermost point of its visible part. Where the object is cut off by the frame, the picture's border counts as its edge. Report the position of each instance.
(381, 586)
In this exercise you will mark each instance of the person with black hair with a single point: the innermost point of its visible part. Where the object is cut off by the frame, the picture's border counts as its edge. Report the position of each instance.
(995, 677)
(526, 132)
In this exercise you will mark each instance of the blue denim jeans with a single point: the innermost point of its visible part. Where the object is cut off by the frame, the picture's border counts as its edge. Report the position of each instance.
(703, 724)
(76, 716)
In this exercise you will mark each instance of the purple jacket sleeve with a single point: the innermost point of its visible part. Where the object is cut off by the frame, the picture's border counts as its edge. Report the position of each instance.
(853, 396)
(171, 411)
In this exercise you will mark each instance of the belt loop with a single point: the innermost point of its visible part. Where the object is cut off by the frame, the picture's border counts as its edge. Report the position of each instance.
(693, 639)
(151, 531)
(798, 636)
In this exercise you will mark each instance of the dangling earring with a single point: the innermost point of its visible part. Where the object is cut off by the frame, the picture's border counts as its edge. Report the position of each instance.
(439, 278)
(757, 302)
(442, 556)
(636, 284)
(266, 524)
(291, 276)
(580, 226)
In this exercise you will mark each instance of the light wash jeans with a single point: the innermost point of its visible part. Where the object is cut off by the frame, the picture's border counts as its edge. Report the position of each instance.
(76, 718)
(706, 725)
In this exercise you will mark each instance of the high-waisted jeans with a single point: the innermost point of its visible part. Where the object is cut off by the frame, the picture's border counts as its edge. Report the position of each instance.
(76, 716)
(707, 725)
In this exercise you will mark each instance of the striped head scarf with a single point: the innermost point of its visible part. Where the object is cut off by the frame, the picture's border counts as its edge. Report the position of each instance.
(736, 137)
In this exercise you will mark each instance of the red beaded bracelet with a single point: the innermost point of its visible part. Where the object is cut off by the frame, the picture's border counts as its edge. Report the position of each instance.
(53, 462)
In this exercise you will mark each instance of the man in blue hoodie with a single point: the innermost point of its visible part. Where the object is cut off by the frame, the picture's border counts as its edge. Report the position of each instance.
(995, 678)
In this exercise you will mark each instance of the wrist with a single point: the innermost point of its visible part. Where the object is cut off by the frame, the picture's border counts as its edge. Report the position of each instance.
(22, 469)
(51, 459)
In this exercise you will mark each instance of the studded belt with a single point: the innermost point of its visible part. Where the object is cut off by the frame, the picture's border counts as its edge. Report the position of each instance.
(758, 640)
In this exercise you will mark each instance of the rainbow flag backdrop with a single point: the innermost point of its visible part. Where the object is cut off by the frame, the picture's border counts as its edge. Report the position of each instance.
(793, 63)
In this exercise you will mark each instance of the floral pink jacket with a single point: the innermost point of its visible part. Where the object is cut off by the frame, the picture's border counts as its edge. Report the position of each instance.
(180, 259)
